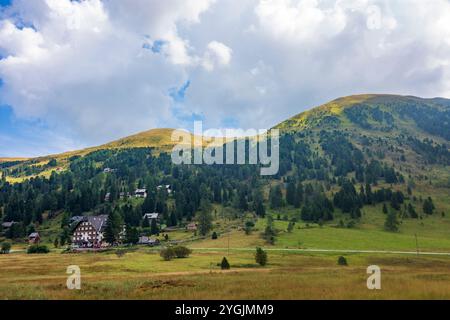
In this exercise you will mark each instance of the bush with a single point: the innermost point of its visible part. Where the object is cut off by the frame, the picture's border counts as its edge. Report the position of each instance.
(36, 248)
(121, 253)
(214, 235)
(261, 257)
(181, 252)
(167, 254)
(342, 261)
(5, 248)
(224, 265)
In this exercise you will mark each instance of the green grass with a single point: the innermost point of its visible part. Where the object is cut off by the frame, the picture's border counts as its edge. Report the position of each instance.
(144, 275)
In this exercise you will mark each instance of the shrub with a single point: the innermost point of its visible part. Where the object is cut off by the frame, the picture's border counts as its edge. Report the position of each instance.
(5, 248)
(224, 265)
(342, 261)
(248, 227)
(261, 257)
(167, 254)
(181, 252)
(36, 248)
(121, 253)
(214, 235)
(290, 227)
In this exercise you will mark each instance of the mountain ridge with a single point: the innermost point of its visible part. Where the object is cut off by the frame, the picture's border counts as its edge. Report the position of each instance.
(376, 115)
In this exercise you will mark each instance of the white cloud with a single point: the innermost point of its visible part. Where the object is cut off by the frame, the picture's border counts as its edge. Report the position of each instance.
(217, 54)
(101, 69)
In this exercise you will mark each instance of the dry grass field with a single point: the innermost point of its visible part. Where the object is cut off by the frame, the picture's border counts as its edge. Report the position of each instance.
(142, 274)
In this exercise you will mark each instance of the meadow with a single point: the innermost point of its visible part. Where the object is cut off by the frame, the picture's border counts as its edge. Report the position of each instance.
(292, 272)
(142, 274)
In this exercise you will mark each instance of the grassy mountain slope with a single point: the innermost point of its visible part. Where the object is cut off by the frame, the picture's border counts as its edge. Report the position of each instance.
(405, 130)
(159, 139)
(360, 138)
(363, 118)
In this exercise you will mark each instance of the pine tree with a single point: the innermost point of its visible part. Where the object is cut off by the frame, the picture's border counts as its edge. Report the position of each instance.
(298, 199)
(173, 219)
(428, 206)
(412, 211)
(261, 257)
(145, 223)
(113, 227)
(290, 193)
(391, 224)
(260, 210)
(290, 227)
(204, 218)
(276, 197)
(369, 194)
(154, 227)
(224, 265)
(131, 235)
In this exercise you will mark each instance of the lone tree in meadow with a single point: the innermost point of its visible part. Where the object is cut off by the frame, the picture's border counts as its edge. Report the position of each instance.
(342, 261)
(290, 227)
(261, 257)
(428, 206)
(224, 265)
(269, 232)
(391, 223)
(204, 218)
(167, 254)
(5, 248)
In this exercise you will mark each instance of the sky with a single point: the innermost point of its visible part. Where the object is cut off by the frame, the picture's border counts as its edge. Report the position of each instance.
(81, 73)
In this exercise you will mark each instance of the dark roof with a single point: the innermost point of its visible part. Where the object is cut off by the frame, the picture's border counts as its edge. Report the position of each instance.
(153, 215)
(98, 222)
(76, 218)
(7, 224)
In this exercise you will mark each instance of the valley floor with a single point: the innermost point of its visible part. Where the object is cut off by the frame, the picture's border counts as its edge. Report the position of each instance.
(142, 274)
(302, 264)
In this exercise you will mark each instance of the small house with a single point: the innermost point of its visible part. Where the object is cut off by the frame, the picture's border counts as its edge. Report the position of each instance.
(7, 225)
(167, 187)
(192, 226)
(151, 216)
(144, 240)
(34, 238)
(124, 195)
(140, 193)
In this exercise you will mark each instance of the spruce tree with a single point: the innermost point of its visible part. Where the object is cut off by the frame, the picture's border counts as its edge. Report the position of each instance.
(428, 206)
(154, 227)
(261, 257)
(113, 227)
(298, 199)
(204, 218)
(290, 193)
(391, 224)
(224, 265)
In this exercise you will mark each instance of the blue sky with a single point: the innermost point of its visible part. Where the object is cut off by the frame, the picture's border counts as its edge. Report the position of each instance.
(82, 73)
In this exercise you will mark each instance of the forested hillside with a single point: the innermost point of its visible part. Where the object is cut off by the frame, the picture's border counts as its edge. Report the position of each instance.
(341, 157)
